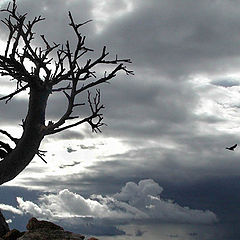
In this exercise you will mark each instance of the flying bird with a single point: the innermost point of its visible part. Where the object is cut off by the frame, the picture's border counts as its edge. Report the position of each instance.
(232, 147)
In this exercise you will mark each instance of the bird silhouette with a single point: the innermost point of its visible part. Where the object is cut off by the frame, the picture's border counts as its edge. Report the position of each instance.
(232, 147)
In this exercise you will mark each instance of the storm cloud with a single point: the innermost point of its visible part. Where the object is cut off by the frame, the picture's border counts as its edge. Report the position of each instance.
(139, 202)
(170, 123)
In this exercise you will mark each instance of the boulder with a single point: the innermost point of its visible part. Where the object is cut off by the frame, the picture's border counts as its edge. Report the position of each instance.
(42, 230)
(33, 224)
(46, 233)
(4, 228)
(12, 235)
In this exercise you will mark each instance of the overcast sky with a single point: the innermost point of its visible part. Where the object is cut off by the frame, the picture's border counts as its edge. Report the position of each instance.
(159, 169)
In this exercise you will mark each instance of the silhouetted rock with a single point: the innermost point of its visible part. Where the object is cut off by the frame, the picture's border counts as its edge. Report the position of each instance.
(33, 224)
(4, 228)
(41, 230)
(13, 235)
(53, 234)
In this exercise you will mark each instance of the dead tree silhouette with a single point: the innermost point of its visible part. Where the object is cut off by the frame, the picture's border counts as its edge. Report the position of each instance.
(62, 72)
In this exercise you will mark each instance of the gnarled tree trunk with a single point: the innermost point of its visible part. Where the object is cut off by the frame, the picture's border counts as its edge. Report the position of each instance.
(55, 68)
(29, 143)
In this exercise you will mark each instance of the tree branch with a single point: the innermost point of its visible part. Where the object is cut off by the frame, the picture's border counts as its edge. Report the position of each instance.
(76, 74)
(11, 95)
(5, 146)
(41, 154)
(12, 63)
(67, 68)
(15, 140)
(51, 64)
(94, 120)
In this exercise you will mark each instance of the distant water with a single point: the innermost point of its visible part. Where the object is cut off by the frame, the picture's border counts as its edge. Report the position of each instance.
(229, 231)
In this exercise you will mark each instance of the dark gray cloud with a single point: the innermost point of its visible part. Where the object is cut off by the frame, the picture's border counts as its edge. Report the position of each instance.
(156, 112)
(179, 38)
(59, 18)
(68, 135)
(181, 166)
(226, 82)
(101, 215)
(82, 146)
(139, 233)
(124, 98)
(139, 107)
(13, 112)
(70, 165)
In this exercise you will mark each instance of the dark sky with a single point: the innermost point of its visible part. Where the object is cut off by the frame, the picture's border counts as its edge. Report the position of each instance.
(160, 167)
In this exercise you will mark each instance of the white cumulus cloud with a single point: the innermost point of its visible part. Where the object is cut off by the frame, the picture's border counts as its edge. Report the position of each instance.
(146, 196)
(140, 201)
(9, 208)
(30, 207)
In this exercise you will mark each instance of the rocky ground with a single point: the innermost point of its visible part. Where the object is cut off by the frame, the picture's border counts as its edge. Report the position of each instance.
(38, 230)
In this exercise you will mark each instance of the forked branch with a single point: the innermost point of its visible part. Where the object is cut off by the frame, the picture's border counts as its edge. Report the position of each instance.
(94, 119)
(11, 95)
(65, 68)
(68, 67)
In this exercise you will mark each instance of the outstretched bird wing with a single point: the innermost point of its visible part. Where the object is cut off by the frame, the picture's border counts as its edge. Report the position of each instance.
(234, 146)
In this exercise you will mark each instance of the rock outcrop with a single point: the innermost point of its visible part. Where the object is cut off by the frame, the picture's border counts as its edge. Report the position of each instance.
(4, 228)
(53, 234)
(12, 235)
(39, 230)
(34, 224)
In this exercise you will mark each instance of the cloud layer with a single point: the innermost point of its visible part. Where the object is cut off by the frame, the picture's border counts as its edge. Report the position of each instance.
(136, 202)
(174, 118)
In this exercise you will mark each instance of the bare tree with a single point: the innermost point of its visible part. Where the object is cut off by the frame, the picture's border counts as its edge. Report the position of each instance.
(55, 68)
